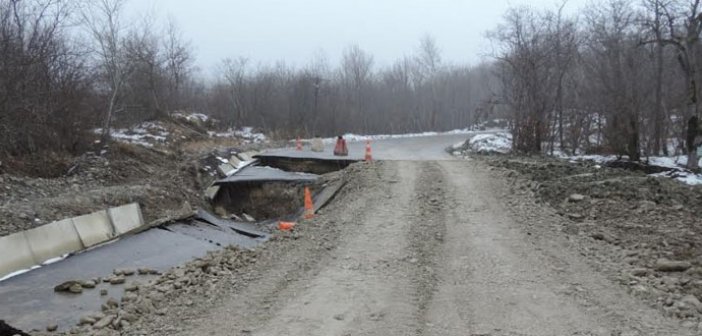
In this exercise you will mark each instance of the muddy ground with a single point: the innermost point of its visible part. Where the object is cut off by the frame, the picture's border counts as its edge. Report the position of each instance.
(441, 248)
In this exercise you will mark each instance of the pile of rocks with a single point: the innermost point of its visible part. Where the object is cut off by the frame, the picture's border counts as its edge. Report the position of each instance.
(154, 297)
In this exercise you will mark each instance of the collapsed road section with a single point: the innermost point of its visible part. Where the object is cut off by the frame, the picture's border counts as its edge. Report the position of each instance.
(29, 301)
(64, 294)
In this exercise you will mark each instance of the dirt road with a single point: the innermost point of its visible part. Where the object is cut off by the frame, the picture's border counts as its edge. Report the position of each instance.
(429, 248)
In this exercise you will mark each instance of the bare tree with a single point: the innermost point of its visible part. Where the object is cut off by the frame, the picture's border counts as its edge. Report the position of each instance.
(684, 26)
(103, 22)
(655, 24)
(526, 60)
(144, 89)
(356, 66)
(234, 72)
(179, 58)
(42, 87)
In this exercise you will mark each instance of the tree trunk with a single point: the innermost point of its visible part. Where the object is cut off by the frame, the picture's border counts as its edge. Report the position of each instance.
(658, 108)
(634, 150)
(105, 136)
(693, 133)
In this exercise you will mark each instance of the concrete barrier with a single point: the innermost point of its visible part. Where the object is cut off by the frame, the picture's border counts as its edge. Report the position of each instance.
(225, 169)
(16, 254)
(126, 218)
(53, 240)
(234, 161)
(23, 250)
(211, 192)
(245, 156)
(94, 228)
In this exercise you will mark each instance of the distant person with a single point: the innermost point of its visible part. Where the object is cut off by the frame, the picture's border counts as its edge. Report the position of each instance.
(340, 149)
(317, 144)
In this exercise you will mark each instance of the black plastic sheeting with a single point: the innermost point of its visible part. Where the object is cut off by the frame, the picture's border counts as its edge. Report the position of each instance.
(246, 229)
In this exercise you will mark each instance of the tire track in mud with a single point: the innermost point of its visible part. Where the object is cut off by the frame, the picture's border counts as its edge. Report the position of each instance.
(427, 228)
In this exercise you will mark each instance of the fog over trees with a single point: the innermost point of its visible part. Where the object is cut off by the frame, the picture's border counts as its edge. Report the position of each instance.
(620, 77)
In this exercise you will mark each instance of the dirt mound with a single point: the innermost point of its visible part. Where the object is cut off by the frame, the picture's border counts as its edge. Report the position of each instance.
(635, 223)
(163, 179)
(556, 180)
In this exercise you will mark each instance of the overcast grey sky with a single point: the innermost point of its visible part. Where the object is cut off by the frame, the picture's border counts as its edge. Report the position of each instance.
(266, 31)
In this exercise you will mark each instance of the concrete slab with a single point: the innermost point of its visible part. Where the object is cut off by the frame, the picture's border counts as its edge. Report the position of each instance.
(234, 161)
(242, 228)
(53, 240)
(94, 228)
(247, 156)
(266, 174)
(126, 218)
(211, 192)
(16, 254)
(225, 169)
(327, 194)
(214, 235)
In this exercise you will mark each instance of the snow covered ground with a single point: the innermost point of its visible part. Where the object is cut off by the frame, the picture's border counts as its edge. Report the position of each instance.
(246, 133)
(677, 163)
(149, 133)
(145, 134)
(192, 117)
(501, 142)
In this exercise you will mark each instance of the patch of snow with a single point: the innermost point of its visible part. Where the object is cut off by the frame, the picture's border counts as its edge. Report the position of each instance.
(16, 273)
(458, 146)
(145, 134)
(192, 116)
(54, 260)
(668, 162)
(601, 159)
(686, 177)
(46, 263)
(246, 133)
(500, 142)
(676, 163)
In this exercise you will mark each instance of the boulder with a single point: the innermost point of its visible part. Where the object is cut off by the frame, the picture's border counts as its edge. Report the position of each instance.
(665, 265)
(576, 198)
(118, 280)
(104, 322)
(66, 286)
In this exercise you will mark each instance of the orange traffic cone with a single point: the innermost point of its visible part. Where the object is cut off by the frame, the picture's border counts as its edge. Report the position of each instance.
(299, 144)
(309, 206)
(369, 156)
(286, 226)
